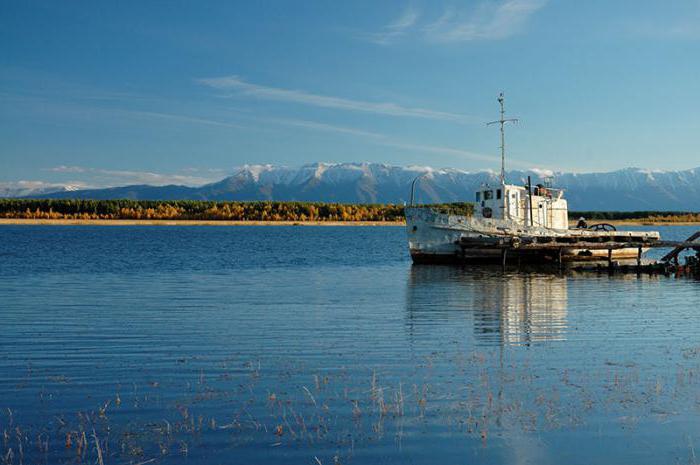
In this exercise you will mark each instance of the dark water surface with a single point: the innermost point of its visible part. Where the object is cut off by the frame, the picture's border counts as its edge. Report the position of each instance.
(324, 345)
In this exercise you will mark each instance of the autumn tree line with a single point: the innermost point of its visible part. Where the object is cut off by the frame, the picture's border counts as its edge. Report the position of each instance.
(76, 209)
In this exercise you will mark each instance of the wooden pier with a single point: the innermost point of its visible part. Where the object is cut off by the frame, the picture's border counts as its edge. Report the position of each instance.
(577, 251)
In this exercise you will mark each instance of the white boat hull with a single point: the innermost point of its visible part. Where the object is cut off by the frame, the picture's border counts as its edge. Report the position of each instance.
(438, 238)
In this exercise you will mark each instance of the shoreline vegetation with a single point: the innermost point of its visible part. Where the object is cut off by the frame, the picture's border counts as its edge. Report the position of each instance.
(59, 211)
(264, 213)
(118, 222)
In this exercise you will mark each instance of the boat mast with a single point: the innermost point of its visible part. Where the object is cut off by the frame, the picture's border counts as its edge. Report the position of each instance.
(502, 122)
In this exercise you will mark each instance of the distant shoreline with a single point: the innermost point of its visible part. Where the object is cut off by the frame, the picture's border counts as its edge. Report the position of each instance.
(75, 222)
(121, 222)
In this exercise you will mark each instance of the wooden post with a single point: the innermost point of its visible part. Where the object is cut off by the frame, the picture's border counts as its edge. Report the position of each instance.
(610, 265)
(639, 257)
(559, 259)
(504, 252)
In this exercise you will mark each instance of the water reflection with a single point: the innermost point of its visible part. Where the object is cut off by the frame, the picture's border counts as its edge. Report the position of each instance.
(509, 308)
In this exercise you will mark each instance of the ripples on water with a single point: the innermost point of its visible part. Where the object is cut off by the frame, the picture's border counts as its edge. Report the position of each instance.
(306, 345)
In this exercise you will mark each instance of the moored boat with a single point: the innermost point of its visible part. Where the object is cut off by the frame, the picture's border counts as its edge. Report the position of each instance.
(523, 222)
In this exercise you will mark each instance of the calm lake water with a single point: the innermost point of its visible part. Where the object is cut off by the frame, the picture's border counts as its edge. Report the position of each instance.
(323, 345)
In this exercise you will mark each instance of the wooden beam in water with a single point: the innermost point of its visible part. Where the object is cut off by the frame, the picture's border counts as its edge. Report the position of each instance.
(682, 246)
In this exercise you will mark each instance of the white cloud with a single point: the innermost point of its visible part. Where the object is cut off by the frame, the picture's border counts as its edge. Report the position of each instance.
(489, 21)
(493, 20)
(394, 29)
(241, 87)
(326, 127)
(108, 178)
(67, 169)
(388, 141)
(209, 171)
(185, 119)
(60, 109)
(148, 177)
(451, 151)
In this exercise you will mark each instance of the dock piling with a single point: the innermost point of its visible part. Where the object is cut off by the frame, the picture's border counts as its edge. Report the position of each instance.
(559, 258)
(639, 257)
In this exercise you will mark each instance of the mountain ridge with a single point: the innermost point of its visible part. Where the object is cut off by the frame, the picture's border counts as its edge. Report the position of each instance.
(624, 189)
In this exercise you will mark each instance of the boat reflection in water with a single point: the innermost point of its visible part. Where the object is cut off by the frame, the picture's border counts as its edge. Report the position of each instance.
(511, 308)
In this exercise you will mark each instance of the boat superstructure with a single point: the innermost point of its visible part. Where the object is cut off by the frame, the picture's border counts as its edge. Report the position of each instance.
(528, 222)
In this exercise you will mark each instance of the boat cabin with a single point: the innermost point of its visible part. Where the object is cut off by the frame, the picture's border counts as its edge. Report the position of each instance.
(540, 206)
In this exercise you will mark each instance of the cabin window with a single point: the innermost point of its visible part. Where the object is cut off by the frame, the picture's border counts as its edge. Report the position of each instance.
(478, 196)
(498, 194)
(488, 195)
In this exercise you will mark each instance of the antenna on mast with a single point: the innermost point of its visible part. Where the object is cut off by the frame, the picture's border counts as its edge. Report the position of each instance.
(502, 122)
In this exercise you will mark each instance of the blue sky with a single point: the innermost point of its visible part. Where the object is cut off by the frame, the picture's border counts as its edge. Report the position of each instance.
(105, 93)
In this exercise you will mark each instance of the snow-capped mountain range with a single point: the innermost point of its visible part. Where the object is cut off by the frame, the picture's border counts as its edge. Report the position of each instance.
(626, 189)
(35, 188)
